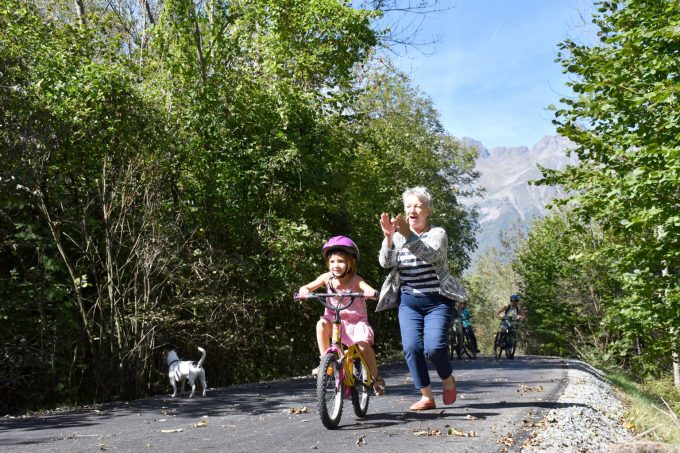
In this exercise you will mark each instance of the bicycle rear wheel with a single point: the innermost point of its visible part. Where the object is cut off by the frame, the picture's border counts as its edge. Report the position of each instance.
(329, 391)
(510, 346)
(467, 346)
(455, 342)
(361, 393)
(498, 344)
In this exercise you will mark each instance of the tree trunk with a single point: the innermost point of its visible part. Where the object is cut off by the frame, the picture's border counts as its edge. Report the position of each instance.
(80, 9)
(75, 278)
(674, 353)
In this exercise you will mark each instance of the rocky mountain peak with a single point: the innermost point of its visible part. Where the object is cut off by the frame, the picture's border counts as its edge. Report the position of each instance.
(508, 200)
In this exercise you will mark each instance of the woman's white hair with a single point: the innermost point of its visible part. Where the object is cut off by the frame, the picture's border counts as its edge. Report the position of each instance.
(422, 194)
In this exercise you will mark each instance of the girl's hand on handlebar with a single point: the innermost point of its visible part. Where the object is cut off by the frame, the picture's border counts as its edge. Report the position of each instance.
(371, 295)
(303, 292)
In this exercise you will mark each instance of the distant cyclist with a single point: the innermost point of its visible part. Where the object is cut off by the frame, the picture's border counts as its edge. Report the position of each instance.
(513, 313)
(464, 314)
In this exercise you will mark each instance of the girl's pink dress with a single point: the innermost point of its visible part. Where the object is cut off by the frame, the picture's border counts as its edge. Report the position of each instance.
(355, 326)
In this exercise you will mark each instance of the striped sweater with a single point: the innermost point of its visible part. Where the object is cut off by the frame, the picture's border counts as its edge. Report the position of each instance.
(430, 247)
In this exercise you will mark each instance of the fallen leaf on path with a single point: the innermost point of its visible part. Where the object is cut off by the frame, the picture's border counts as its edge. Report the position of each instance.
(361, 440)
(509, 441)
(523, 388)
(201, 423)
(428, 432)
(459, 433)
(298, 410)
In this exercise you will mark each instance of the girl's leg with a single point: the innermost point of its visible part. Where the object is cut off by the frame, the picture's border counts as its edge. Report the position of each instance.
(369, 355)
(324, 329)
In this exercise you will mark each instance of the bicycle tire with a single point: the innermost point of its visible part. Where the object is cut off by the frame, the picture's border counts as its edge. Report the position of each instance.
(498, 344)
(510, 345)
(453, 343)
(456, 340)
(329, 391)
(467, 347)
(361, 393)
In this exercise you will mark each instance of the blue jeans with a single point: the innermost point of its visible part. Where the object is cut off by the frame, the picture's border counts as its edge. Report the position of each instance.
(424, 321)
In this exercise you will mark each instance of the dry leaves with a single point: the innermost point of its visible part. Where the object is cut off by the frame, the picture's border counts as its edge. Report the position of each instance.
(459, 433)
(428, 432)
(202, 422)
(361, 440)
(508, 440)
(523, 388)
(297, 410)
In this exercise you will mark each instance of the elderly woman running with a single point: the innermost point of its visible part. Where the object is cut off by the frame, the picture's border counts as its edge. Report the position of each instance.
(422, 287)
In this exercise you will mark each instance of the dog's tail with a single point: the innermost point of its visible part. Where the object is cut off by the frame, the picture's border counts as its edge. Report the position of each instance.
(200, 362)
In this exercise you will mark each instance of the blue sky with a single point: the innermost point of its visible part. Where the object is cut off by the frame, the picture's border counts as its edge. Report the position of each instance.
(492, 74)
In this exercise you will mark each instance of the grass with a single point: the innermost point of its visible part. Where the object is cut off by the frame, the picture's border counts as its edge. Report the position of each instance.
(652, 407)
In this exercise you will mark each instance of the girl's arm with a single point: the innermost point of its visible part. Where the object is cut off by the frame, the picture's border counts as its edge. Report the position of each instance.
(368, 291)
(313, 286)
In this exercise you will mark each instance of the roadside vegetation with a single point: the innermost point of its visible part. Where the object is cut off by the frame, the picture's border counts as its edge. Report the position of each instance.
(169, 171)
(600, 277)
(652, 407)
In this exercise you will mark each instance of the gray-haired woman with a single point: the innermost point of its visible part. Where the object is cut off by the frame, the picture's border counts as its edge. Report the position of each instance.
(424, 290)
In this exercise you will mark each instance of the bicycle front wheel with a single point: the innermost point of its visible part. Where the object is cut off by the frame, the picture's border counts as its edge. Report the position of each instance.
(498, 344)
(467, 346)
(329, 391)
(360, 392)
(510, 345)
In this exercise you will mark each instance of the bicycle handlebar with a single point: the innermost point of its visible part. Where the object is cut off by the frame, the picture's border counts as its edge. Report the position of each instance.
(322, 298)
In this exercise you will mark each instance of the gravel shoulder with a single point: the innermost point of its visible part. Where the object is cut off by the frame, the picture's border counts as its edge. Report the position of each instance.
(588, 418)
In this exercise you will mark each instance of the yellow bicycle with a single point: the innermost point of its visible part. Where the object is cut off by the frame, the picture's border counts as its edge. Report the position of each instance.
(343, 371)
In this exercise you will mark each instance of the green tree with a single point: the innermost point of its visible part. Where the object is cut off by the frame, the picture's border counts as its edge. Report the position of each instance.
(624, 121)
(169, 174)
(566, 296)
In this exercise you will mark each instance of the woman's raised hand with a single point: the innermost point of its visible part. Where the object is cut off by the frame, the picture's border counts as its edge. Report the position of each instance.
(401, 225)
(386, 225)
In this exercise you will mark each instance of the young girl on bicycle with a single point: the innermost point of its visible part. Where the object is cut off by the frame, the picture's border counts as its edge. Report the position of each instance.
(341, 255)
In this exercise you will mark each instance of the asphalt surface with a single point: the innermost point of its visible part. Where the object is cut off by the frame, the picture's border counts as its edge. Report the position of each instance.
(498, 402)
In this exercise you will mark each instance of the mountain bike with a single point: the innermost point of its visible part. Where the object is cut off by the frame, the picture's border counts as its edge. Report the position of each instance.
(460, 342)
(456, 339)
(506, 339)
(343, 371)
(468, 347)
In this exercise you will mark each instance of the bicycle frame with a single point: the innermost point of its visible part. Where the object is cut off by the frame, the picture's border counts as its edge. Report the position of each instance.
(346, 355)
(506, 338)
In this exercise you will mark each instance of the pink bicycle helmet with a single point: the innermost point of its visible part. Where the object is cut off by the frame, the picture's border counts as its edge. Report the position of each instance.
(340, 243)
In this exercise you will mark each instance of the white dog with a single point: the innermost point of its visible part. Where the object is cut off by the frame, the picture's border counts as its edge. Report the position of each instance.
(181, 370)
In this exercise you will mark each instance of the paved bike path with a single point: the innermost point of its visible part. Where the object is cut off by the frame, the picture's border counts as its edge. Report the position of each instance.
(499, 400)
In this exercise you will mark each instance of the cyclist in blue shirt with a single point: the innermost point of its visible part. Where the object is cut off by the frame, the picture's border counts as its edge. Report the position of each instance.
(467, 324)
